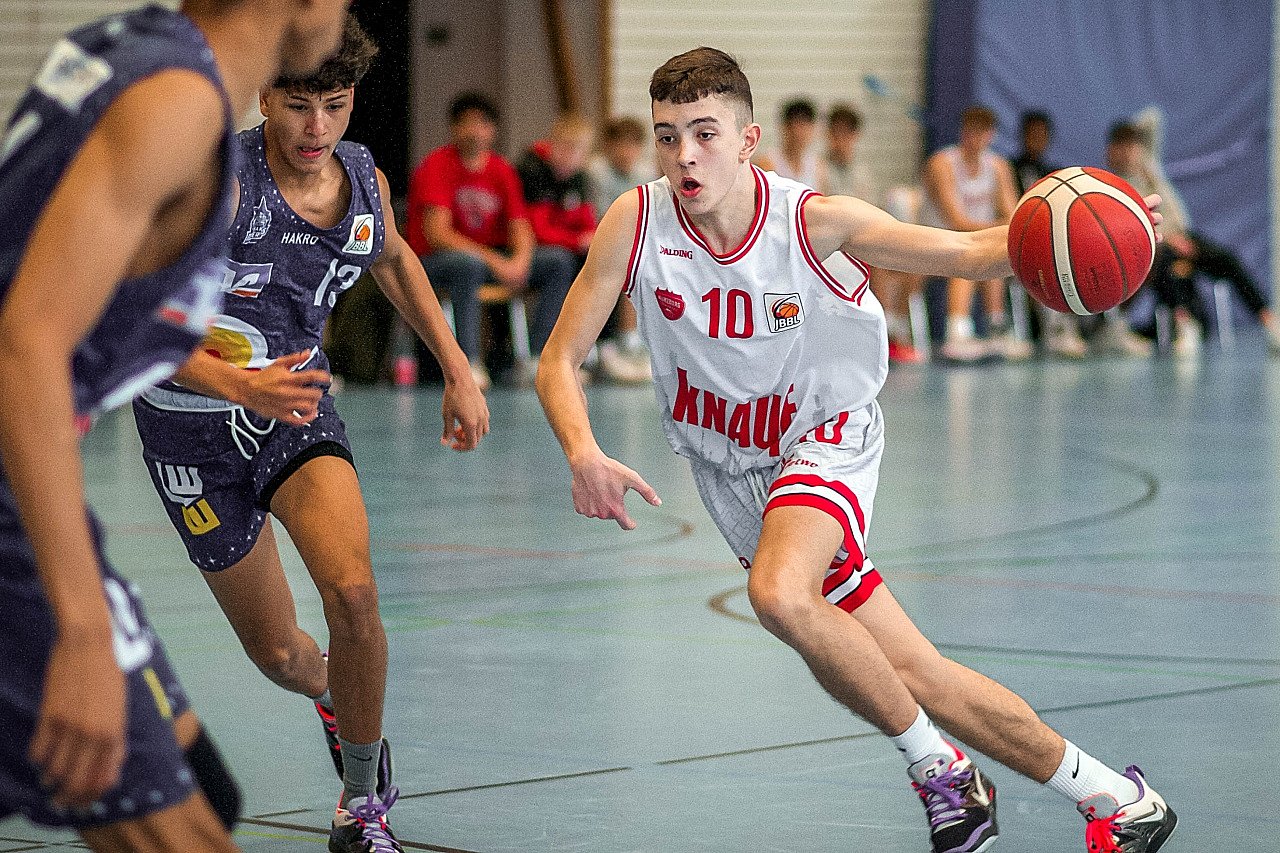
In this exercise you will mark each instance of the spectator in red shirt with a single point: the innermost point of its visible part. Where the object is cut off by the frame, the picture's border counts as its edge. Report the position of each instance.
(468, 222)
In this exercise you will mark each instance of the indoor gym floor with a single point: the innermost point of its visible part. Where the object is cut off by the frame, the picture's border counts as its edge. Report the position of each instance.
(1102, 537)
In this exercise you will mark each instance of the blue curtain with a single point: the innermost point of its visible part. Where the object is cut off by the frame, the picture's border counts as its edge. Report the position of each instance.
(1089, 63)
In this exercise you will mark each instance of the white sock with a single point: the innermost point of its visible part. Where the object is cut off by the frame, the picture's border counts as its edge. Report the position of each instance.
(959, 328)
(1081, 776)
(630, 340)
(899, 327)
(923, 739)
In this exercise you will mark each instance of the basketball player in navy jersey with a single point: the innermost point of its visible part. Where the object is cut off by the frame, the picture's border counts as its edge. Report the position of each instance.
(115, 178)
(768, 353)
(248, 429)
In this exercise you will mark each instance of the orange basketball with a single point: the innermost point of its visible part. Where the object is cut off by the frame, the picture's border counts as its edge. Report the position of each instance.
(785, 310)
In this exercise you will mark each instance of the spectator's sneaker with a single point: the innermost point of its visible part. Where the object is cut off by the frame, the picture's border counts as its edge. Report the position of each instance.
(901, 353)
(966, 350)
(330, 723)
(360, 826)
(1186, 341)
(624, 367)
(1065, 342)
(1271, 328)
(1011, 348)
(1115, 338)
(480, 374)
(959, 801)
(1142, 826)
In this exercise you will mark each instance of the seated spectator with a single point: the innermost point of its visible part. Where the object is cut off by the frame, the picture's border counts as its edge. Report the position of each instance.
(1133, 153)
(619, 168)
(845, 174)
(467, 221)
(1061, 331)
(796, 158)
(968, 187)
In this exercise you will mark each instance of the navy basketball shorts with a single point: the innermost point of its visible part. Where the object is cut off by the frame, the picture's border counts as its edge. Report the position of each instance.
(834, 469)
(155, 775)
(216, 472)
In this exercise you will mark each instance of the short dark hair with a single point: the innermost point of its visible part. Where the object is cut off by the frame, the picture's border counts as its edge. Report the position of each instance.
(1031, 117)
(701, 72)
(845, 115)
(978, 116)
(799, 109)
(468, 101)
(623, 129)
(344, 70)
(1123, 133)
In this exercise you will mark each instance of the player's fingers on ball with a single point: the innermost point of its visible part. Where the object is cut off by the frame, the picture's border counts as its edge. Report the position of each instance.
(311, 377)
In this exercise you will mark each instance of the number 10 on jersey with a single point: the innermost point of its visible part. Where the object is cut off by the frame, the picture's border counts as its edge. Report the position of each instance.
(734, 306)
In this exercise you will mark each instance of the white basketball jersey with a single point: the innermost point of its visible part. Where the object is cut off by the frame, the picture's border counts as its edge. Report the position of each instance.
(977, 193)
(754, 348)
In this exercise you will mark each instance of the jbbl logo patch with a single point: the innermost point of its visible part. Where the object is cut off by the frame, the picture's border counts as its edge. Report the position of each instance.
(361, 240)
(784, 311)
(70, 75)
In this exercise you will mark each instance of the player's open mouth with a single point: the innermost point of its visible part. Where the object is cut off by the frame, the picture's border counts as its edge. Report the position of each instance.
(689, 187)
(310, 153)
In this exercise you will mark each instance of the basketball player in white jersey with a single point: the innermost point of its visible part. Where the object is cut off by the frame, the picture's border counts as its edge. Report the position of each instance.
(968, 187)
(767, 361)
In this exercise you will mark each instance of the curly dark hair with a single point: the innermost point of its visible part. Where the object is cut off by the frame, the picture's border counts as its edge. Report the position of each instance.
(344, 69)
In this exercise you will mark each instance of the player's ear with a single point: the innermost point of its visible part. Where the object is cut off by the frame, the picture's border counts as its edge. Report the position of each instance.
(750, 141)
(262, 100)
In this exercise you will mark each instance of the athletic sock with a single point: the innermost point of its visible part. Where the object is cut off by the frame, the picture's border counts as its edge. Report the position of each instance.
(923, 739)
(324, 700)
(1080, 776)
(359, 768)
(959, 328)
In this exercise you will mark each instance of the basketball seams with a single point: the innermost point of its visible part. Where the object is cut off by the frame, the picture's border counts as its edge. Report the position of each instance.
(1111, 241)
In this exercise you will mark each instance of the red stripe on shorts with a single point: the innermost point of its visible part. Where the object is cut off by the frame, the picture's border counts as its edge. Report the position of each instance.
(814, 480)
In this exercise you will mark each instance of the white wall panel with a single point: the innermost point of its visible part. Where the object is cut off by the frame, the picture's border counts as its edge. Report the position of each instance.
(28, 28)
(820, 49)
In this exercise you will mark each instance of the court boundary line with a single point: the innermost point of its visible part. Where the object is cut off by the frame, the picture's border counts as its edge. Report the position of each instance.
(296, 827)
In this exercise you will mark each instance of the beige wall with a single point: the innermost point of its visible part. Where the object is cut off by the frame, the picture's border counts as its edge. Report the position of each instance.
(816, 48)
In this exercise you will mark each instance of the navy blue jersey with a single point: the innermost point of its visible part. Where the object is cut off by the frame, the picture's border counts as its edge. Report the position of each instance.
(282, 274)
(152, 323)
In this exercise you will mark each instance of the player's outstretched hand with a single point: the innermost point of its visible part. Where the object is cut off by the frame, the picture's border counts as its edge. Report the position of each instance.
(79, 742)
(466, 415)
(600, 488)
(290, 396)
(1153, 201)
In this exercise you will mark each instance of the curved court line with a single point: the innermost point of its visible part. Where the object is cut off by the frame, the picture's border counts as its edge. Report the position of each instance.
(1148, 479)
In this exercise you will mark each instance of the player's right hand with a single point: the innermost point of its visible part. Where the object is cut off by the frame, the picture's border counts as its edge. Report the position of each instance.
(290, 396)
(600, 487)
(79, 742)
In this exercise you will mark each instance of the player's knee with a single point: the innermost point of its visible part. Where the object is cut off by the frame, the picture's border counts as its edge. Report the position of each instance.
(278, 662)
(351, 609)
(780, 608)
(214, 779)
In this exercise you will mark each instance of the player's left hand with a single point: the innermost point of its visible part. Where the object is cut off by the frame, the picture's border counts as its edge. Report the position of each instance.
(466, 415)
(1153, 201)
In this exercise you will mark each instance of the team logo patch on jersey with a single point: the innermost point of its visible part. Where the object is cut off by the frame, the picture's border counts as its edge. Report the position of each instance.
(70, 75)
(361, 240)
(245, 280)
(260, 224)
(784, 311)
(672, 304)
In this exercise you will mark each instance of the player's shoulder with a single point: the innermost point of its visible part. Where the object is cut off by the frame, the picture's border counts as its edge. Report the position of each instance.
(174, 108)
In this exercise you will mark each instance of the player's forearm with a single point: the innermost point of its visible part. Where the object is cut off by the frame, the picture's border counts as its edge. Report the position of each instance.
(565, 404)
(40, 449)
(986, 255)
(215, 378)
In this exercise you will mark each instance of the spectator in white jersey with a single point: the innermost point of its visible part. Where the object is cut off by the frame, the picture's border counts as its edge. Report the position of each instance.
(847, 174)
(768, 355)
(968, 187)
(797, 157)
(619, 167)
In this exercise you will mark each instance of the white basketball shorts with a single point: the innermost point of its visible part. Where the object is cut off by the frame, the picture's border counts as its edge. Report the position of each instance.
(833, 468)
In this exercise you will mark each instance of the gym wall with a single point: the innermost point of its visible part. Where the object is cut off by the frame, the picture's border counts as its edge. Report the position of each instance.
(820, 49)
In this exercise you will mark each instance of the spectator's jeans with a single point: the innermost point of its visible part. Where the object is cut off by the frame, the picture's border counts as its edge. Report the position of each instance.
(460, 275)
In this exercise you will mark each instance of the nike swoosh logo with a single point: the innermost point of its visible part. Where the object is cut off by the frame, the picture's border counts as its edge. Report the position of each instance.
(358, 758)
(1076, 772)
